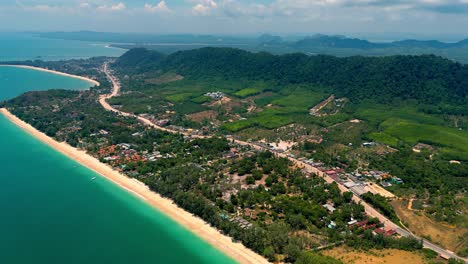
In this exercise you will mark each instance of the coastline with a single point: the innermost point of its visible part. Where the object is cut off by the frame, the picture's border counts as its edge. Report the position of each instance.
(94, 82)
(197, 226)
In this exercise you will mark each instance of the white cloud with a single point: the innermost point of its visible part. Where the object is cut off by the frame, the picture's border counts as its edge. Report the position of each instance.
(43, 8)
(161, 7)
(200, 9)
(204, 7)
(85, 5)
(111, 8)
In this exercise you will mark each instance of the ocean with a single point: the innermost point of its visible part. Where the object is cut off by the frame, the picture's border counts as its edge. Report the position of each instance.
(15, 81)
(52, 211)
(28, 46)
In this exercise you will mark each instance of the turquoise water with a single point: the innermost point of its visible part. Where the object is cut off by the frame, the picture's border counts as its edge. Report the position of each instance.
(15, 81)
(53, 212)
(24, 46)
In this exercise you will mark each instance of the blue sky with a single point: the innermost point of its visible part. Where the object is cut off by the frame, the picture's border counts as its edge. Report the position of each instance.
(432, 17)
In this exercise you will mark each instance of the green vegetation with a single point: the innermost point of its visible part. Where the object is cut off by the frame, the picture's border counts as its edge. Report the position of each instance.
(300, 98)
(310, 257)
(270, 118)
(406, 125)
(201, 99)
(427, 79)
(381, 204)
(248, 92)
(180, 97)
(453, 142)
(384, 138)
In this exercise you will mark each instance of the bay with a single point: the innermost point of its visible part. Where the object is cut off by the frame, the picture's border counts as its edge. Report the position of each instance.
(29, 46)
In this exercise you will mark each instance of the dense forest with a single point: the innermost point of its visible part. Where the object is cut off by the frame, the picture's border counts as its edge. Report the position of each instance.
(430, 80)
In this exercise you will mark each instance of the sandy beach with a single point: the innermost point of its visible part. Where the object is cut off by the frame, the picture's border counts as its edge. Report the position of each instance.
(95, 83)
(196, 225)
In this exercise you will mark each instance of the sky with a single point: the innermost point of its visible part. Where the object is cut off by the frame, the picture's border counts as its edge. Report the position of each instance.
(431, 17)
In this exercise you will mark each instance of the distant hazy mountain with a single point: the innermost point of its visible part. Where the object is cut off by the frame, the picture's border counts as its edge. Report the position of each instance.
(427, 79)
(336, 45)
(270, 39)
(324, 41)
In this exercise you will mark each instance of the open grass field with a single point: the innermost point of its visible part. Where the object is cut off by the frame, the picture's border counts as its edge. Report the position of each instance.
(385, 256)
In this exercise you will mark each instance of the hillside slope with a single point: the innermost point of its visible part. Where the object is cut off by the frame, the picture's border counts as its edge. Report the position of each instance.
(427, 79)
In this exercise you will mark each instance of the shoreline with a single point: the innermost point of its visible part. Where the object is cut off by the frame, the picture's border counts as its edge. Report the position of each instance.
(193, 224)
(91, 81)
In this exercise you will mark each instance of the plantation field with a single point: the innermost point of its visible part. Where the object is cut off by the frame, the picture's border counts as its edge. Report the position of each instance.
(406, 125)
(453, 142)
(201, 99)
(287, 108)
(180, 97)
(384, 138)
(248, 92)
(301, 99)
(376, 114)
(269, 121)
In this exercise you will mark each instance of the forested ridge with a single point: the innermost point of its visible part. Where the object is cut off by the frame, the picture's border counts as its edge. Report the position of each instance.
(428, 79)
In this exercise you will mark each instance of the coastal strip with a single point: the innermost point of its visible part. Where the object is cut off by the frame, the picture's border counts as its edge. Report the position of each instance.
(91, 81)
(196, 225)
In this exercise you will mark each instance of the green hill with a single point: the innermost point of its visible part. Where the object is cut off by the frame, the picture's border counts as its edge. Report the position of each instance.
(440, 84)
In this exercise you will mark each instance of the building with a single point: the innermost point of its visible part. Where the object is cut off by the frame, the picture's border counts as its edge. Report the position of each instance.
(215, 95)
(385, 184)
(329, 207)
(369, 144)
(124, 146)
(349, 184)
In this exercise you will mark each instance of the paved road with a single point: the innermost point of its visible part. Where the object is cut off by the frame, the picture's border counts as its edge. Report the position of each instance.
(368, 208)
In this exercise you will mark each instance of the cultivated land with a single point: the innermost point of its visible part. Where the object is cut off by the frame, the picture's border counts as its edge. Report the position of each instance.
(386, 256)
(449, 236)
(289, 101)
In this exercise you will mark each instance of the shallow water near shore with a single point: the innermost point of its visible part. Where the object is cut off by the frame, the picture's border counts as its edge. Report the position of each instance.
(15, 81)
(55, 211)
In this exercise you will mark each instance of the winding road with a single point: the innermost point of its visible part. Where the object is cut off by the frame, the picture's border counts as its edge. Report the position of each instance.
(368, 208)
